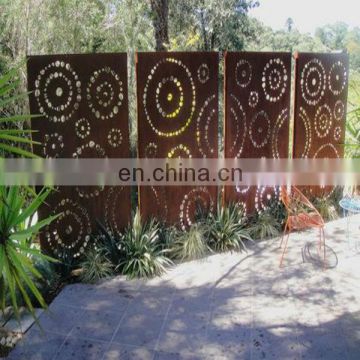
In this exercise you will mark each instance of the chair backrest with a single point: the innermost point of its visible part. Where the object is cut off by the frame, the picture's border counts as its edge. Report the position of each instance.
(295, 201)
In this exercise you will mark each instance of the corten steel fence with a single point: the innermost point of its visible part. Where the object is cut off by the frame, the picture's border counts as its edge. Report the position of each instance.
(83, 103)
(321, 86)
(177, 97)
(257, 107)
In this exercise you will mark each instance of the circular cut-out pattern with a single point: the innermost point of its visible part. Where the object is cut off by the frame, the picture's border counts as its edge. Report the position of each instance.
(104, 93)
(253, 99)
(339, 110)
(57, 91)
(260, 129)
(179, 151)
(326, 151)
(337, 78)
(151, 150)
(53, 145)
(113, 202)
(82, 128)
(243, 73)
(203, 73)
(173, 97)
(305, 121)
(71, 230)
(323, 121)
(275, 138)
(274, 80)
(114, 138)
(265, 195)
(313, 81)
(204, 121)
(197, 199)
(89, 150)
(238, 118)
(337, 133)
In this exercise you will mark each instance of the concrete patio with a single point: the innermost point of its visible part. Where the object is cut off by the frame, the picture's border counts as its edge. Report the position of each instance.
(228, 306)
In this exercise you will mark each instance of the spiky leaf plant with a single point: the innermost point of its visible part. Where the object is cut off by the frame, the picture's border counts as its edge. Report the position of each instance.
(12, 136)
(326, 208)
(191, 244)
(143, 253)
(227, 229)
(16, 250)
(265, 225)
(95, 266)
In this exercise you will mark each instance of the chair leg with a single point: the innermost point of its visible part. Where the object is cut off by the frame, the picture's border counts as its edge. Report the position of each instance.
(285, 247)
(283, 234)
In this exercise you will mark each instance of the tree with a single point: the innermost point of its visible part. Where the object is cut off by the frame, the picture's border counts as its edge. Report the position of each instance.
(289, 24)
(160, 14)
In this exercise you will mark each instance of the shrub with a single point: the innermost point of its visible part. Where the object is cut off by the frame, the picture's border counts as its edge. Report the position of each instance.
(142, 252)
(265, 225)
(326, 208)
(191, 244)
(227, 229)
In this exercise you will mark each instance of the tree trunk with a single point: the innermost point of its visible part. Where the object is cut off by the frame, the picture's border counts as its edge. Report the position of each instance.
(160, 10)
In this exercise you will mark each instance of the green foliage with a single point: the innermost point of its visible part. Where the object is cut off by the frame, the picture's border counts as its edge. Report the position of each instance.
(228, 229)
(265, 225)
(191, 244)
(143, 254)
(95, 266)
(16, 251)
(11, 137)
(326, 208)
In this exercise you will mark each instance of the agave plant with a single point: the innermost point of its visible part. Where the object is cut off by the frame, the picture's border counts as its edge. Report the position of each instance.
(16, 250)
(10, 137)
(227, 229)
(95, 266)
(143, 253)
(191, 244)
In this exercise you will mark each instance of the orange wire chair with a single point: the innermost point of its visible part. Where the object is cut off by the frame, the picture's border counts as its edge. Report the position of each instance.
(301, 214)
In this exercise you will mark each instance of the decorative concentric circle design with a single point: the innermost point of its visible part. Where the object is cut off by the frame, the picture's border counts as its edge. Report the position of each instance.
(337, 78)
(323, 121)
(326, 151)
(82, 128)
(204, 121)
(275, 138)
(265, 195)
(179, 151)
(173, 97)
(113, 202)
(274, 80)
(151, 150)
(337, 133)
(53, 145)
(238, 118)
(260, 129)
(58, 91)
(196, 199)
(89, 150)
(339, 110)
(305, 121)
(313, 81)
(104, 93)
(160, 210)
(253, 99)
(114, 138)
(203, 73)
(71, 230)
(243, 73)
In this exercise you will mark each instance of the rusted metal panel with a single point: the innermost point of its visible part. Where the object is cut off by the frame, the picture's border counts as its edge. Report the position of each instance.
(257, 107)
(83, 103)
(321, 86)
(177, 96)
